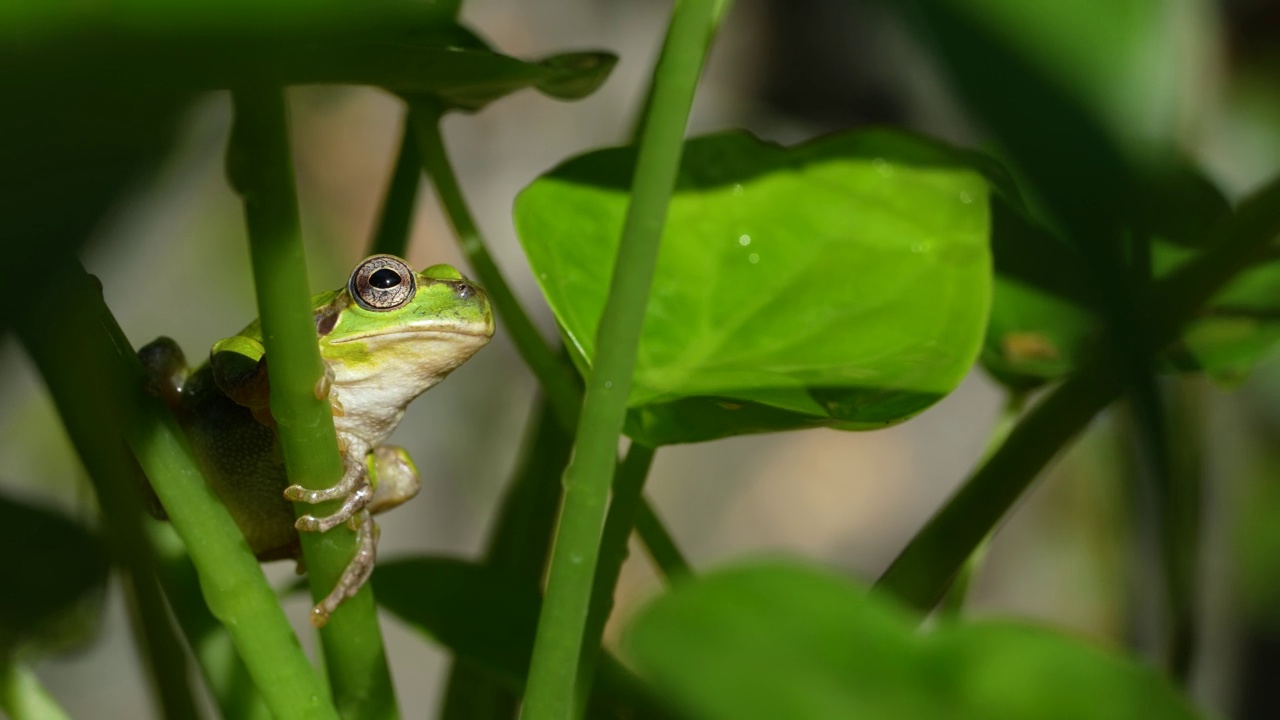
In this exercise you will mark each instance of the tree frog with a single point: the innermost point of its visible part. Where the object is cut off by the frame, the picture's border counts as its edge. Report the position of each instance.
(386, 338)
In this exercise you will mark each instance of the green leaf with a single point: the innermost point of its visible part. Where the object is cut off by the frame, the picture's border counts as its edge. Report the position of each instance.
(1045, 308)
(844, 282)
(54, 575)
(35, 22)
(480, 612)
(777, 640)
(1239, 327)
(415, 50)
(1046, 314)
(1087, 97)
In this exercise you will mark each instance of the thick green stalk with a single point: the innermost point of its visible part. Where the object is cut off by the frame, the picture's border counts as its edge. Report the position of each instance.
(396, 219)
(260, 169)
(224, 671)
(87, 402)
(94, 397)
(551, 694)
(623, 508)
(22, 697)
(518, 544)
(922, 572)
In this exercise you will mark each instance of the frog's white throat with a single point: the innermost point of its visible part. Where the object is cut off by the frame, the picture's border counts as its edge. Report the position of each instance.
(373, 395)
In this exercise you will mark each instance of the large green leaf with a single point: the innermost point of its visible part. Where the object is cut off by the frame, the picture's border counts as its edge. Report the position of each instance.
(779, 640)
(843, 282)
(53, 578)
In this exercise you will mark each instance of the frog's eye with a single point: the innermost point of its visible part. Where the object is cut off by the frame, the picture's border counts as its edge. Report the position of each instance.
(382, 282)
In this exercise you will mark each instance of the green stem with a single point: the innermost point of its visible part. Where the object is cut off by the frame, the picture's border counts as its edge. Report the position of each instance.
(260, 168)
(926, 567)
(623, 508)
(921, 573)
(660, 545)
(93, 398)
(953, 602)
(89, 401)
(396, 219)
(22, 697)
(519, 544)
(554, 373)
(551, 694)
(224, 671)
(1183, 525)
(166, 658)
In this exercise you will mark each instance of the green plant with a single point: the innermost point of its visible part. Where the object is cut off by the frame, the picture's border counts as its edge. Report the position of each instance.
(704, 288)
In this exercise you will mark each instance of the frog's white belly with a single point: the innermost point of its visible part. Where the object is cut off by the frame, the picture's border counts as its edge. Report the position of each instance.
(373, 395)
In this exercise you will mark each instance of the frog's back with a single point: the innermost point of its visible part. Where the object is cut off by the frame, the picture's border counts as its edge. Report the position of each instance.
(242, 462)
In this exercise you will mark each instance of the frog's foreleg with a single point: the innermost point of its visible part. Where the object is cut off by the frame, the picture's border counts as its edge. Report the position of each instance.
(357, 571)
(354, 489)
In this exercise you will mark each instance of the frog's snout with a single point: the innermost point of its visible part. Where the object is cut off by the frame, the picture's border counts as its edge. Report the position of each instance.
(466, 291)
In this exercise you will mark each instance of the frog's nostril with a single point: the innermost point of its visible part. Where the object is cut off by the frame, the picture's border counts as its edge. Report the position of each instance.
(464, 290)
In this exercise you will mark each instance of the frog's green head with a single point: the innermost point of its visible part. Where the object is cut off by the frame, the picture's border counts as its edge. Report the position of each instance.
(393, 325)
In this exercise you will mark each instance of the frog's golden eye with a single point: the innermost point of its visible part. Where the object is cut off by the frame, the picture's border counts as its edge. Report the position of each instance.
(382, 282)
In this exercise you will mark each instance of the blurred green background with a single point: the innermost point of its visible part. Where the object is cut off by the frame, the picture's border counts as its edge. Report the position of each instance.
(173, 260)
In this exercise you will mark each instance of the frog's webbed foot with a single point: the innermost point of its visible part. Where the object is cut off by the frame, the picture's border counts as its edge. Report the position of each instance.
(357, 571)
(354, 489)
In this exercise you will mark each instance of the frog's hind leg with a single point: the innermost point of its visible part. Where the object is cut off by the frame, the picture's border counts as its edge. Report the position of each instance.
(394, 477)
(357, 572)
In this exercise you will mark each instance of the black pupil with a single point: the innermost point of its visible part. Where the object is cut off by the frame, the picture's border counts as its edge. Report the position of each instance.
(384, 278)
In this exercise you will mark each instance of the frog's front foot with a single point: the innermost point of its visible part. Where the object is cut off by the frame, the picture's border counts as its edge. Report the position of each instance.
(354, 490)
(356, 573)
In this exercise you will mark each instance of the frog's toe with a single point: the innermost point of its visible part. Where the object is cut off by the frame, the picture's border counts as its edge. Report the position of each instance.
(325, 383)
(297, 493)
(352, 504)
(356, 573)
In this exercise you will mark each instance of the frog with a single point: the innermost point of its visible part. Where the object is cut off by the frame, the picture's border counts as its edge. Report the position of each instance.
(385, 338)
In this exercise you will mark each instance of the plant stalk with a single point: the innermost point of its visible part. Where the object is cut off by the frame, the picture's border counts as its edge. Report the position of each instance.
(396, 218)
(108, 394)
(554, 373)
(260, 168)
(551, 692)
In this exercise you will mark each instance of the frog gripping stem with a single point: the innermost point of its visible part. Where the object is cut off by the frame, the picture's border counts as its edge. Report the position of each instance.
(355, 490)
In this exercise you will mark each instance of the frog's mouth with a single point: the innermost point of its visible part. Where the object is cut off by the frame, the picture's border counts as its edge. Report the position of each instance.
(458, 329)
